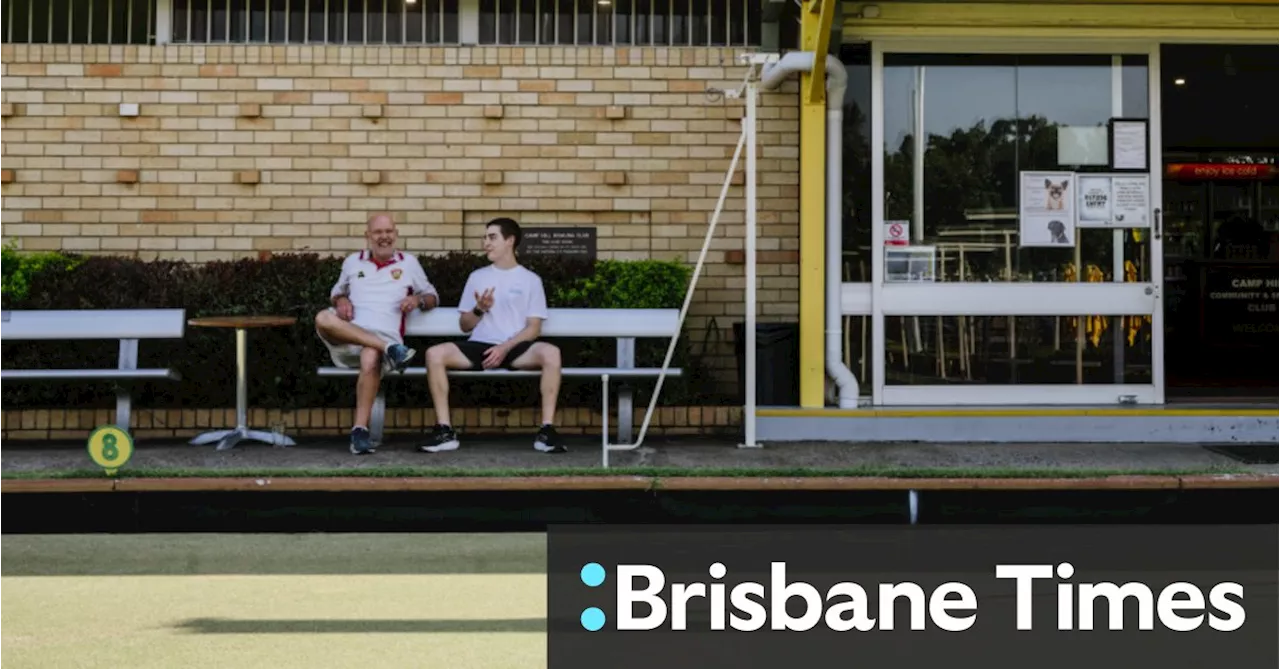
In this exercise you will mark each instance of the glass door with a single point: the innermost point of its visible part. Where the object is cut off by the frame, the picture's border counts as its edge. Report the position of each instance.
(1016, 201)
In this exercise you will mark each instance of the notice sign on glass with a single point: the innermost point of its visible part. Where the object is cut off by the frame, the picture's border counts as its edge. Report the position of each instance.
(572, 243)
(1113, 201)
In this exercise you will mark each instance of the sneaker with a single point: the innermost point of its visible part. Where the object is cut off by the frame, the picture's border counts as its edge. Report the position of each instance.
(398, 356)
(360, 442)
(548, 441)
(442, 438)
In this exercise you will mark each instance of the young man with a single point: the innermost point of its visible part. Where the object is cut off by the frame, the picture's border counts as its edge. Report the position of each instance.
(364, 328)
(502, 307)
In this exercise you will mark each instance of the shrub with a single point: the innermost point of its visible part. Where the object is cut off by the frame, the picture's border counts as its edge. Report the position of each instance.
(282, 361)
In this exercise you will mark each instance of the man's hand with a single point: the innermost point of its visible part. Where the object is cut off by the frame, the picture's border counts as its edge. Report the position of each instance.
(494, 356)
(409, 303)
(346, 310)
(484, 301)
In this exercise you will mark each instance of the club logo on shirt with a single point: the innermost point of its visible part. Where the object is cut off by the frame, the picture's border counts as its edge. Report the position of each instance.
(395, 274)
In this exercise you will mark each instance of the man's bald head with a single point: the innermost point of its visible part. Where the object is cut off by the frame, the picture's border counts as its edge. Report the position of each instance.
(381, 233)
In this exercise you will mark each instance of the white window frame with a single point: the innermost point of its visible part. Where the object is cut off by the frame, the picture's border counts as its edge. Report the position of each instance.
(1022, 299)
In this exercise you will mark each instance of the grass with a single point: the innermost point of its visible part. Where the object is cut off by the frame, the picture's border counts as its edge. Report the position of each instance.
(644, 472)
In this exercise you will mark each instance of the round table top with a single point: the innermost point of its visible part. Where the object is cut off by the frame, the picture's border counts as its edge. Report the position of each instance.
(242, 321)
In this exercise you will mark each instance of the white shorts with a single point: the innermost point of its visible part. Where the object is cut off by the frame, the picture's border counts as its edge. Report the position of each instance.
(348, 355)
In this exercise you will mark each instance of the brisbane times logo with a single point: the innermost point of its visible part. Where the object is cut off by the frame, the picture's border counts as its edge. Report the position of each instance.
(645, 599)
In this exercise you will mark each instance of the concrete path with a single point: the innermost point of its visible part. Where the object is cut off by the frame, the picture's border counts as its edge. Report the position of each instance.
(691, 453)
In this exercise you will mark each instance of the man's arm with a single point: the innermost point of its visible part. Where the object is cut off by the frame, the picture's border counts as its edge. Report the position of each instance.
(342, 288)
(532, 330)
(467, 321)
(428, 297)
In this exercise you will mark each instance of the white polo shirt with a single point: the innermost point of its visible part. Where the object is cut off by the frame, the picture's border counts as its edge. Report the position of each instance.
(376, 289)
(517, 296)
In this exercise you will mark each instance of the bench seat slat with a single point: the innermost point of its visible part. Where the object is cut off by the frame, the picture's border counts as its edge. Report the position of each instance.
(89, 374)
(639, 323)
(93, 324)
(508, 373)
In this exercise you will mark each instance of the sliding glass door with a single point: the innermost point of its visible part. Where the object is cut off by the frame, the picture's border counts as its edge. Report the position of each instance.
(1016, 198)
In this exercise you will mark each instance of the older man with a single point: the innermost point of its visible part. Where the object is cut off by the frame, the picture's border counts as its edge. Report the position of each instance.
(379, 286)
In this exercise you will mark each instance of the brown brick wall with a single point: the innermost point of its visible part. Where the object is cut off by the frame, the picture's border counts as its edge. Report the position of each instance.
(242, 149)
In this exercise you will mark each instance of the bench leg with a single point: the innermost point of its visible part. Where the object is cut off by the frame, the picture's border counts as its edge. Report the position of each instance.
(124, 409)
(625, 414)
(378, 418)
(626, 358)
(127, 359)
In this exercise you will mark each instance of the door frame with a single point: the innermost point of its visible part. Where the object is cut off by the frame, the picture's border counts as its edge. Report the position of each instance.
(1117, 298)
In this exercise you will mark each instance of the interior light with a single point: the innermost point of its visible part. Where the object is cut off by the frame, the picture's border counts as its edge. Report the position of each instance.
(1179, 82)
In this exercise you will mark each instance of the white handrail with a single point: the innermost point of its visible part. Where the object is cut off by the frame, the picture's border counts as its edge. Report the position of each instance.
(684, 311)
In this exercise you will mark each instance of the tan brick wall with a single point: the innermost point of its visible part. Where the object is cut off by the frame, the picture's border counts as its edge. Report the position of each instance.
(242, 149)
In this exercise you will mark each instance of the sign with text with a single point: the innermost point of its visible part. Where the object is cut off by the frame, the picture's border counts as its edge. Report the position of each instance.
(572, 243)
(1241, 303)
(1051, 596)
(1113, 200)
(897, 233)
(1210, 171)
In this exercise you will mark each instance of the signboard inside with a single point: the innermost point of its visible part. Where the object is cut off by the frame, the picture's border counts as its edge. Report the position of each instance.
(573, 243)
(1241, 303)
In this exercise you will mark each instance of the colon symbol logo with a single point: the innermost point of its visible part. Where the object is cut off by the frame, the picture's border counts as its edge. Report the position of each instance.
(593, 618)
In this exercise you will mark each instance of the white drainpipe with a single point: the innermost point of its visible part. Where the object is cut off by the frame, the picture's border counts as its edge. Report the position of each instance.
(837, 78)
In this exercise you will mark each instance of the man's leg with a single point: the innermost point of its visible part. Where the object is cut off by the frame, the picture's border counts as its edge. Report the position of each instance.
(366, 392)
(545, 357)
(338, 331)
(440, 359)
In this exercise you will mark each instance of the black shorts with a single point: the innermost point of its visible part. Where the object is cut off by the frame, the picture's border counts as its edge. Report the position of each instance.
(474, 350)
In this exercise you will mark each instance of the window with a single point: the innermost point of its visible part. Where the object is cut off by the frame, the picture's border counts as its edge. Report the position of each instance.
(79, 21)
(734, 23)
(315, 21)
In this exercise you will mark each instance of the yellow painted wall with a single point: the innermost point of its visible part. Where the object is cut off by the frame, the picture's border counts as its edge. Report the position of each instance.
(1166, 20)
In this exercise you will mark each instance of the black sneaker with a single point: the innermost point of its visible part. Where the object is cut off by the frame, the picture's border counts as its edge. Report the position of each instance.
(442, 438)
(360, 442)
(548, 441)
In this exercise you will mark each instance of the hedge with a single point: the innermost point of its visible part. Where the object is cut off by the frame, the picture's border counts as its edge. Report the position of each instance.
(282, 362)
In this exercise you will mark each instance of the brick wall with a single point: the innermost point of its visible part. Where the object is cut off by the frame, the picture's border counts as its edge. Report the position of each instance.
(238, 150)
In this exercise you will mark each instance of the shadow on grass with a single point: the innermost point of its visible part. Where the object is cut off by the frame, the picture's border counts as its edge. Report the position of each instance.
(227, 626)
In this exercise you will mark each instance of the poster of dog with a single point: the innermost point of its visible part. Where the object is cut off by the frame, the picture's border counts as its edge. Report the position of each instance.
(1047, 209)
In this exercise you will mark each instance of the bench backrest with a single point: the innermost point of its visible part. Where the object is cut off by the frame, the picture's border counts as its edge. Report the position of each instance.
(443, 322)
(93, 324)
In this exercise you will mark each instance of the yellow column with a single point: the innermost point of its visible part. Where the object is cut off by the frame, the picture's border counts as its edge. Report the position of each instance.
(815, 31)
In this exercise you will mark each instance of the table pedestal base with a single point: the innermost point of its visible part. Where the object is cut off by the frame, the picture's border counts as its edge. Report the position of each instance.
(227, 439)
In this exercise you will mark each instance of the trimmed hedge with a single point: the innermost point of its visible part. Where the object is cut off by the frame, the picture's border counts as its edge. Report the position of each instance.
(282, 362)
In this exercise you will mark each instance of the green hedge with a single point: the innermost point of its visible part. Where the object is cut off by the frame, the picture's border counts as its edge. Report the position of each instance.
(282, 362)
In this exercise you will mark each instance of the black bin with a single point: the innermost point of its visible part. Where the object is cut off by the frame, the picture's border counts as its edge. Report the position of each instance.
(777, 363)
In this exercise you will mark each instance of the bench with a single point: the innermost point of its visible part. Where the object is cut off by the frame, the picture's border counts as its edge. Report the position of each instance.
(127, 325)
(624, 325)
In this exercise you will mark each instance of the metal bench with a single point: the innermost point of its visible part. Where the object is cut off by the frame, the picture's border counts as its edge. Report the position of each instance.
(127, 325)
(624, 325)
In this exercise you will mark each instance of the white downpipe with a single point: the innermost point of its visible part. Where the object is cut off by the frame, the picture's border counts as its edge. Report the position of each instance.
(793, 63)
(846, 382)
(749, 130)
(837, 80)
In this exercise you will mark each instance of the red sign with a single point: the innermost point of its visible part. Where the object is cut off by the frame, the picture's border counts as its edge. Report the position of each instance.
(1219, 171)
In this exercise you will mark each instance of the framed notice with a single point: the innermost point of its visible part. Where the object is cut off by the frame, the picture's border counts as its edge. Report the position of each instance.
(1047, 209)
(1113, 201)
(571, 243)
(1128, 140)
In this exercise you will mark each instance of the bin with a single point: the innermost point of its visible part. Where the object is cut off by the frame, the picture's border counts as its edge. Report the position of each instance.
(777, 363)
